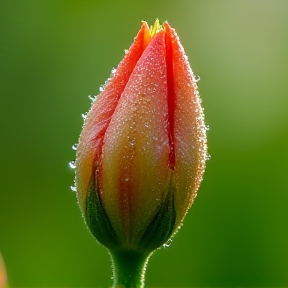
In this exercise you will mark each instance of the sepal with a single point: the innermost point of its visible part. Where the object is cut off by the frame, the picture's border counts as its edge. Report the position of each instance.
(97, 220)
(162, 226)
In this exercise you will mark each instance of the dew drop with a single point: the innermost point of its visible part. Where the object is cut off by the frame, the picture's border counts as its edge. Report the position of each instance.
(75, 146)
(113, 70)
(196, 78)
(125, 51)
(101, 88)
(84, 116)
(208, 157)
(72, 164)
(168, 243)
(73, 188)
(92, 97)
(207, 127)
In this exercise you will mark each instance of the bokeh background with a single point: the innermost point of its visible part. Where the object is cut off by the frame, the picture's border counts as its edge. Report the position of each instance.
(53, 54)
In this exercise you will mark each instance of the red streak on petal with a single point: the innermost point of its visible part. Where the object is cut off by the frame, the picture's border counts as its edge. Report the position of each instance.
(171, 97)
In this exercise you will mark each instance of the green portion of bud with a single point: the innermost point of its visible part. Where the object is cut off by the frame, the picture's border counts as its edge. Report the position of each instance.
(97, 219)
(162, 226)
(157, 233)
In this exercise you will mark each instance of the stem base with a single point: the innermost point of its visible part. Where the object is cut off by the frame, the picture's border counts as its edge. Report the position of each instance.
(129, 268)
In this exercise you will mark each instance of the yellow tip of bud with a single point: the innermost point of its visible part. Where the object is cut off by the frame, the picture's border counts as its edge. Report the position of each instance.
(154, 29)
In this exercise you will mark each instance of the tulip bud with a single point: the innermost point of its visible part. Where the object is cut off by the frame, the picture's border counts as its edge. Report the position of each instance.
(142, 150)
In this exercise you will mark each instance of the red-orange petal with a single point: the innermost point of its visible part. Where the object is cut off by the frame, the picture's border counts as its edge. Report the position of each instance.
(189, 130)
(98, 118)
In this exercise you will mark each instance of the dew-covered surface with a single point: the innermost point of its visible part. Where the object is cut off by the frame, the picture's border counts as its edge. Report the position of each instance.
(190, 131)
(97, 120)
(144, 136)
(136, 147)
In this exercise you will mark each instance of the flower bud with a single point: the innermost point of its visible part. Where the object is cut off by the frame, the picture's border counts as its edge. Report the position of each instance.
(142, 150)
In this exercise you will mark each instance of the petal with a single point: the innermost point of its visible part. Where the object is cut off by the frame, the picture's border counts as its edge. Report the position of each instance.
(136, 147)
(99, 116)
(189, 129)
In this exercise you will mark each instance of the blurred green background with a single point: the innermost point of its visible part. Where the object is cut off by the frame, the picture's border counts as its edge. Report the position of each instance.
(53, 54)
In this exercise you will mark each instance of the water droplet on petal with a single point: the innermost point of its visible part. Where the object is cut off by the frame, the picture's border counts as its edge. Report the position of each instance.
(92, 97)
(196, 78)
(168, 243)
(72, 164)
(101, 88)
(113, 71)
(84, 116)
(75, 146)
(208, 157)
(125, 51)
(73, 188)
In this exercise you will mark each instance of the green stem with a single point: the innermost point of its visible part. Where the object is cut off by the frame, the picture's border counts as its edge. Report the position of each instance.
(129, 269)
